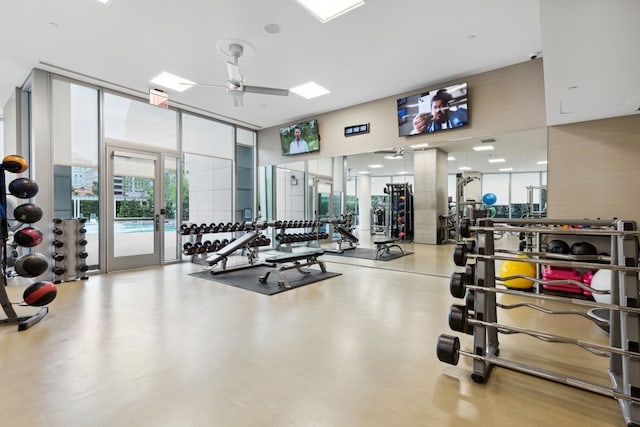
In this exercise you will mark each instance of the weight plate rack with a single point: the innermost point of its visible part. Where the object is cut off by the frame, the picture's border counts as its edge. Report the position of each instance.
(478, 316)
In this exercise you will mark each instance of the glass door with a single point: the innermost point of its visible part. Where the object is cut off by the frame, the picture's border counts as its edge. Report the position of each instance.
(135, 225)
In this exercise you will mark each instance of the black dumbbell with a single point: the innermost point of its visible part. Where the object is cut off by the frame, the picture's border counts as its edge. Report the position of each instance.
(82, 220)
(57, 221)
(83, 254)
(187, 246)
(58, 231)
(58, 257)
(83, 267)
(82, 230)
(58, 271)
(58, 243)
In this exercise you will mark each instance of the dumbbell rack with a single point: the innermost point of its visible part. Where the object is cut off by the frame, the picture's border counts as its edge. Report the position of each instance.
(310, 239)
(478, 286)
(198, 249)
(69, 250)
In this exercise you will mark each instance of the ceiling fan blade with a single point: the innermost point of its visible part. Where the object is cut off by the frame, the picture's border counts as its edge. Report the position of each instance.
(234, 72)
(203, 85)
(266, 90)
(237, 98)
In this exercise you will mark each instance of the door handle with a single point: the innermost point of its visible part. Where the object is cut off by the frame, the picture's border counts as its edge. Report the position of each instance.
(157, 222)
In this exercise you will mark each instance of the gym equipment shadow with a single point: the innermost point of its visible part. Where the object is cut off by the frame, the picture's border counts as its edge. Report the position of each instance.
(248, 279)
(366, 253)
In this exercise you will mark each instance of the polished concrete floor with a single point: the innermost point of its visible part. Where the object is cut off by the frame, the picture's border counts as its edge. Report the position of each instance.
(157, 347)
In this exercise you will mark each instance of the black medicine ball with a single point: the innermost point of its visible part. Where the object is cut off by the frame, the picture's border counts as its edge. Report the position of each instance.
(557, 246)
(40, 293)
(27, 213)
(23, 188)
(583, 248)
(31, 265)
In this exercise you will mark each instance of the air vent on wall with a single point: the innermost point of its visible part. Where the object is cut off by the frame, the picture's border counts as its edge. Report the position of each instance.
(487, 141)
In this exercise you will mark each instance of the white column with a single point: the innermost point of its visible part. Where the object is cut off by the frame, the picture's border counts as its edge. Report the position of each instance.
(364, 204)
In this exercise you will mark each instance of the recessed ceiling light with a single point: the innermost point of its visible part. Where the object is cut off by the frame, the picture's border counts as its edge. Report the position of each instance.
(393, 157)
(403, 173)
(451, 158)
(505, 169)
(105, 2)
(483, 147)
(363, 172)
(309, 90)
(543, 162)
(326, 10)
(172, 81)
(375, 166)
(497, 160)
(464, 168)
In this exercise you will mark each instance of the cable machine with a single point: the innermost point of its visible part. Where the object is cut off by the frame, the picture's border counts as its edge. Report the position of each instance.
(400, 210)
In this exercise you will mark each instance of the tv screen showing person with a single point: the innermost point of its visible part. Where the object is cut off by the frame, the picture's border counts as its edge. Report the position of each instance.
(433, 111)
(300, 138)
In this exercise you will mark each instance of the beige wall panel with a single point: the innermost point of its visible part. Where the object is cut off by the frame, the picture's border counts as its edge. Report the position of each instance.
(594, 169)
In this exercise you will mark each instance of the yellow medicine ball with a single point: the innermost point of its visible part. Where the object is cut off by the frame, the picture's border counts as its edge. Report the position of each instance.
(14, 163)
(513, 268)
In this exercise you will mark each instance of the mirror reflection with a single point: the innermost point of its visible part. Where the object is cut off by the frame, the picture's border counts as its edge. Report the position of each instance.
(503, 175)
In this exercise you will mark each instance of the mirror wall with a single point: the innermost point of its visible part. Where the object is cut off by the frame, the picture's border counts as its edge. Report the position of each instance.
(302, 190)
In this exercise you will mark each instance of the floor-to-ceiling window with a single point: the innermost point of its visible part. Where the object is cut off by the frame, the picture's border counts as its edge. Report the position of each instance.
(245, 175)
(207, 171)
(75, 141)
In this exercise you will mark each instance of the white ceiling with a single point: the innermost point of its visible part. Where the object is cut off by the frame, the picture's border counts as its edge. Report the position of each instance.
(378, 50)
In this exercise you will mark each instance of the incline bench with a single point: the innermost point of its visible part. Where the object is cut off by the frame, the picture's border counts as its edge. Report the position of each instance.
(293, 259)
(243, 242)
(383, 246)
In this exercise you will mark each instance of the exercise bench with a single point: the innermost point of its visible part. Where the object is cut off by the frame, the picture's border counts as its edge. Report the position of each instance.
(243, 243)
(291, 261)
(383, 246)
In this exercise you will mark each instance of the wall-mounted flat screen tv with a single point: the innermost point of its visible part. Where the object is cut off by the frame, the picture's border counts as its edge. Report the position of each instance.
(300, 138)
(433, 111)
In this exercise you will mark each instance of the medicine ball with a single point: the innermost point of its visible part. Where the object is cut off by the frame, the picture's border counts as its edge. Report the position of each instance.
(601, 281)
(31, 265)
(514, 268)
(28, 213)
(14, 163)
(28, 237)
(489, 199)
(23, 188)
(583, 248)
(40, 293)
(557, 246)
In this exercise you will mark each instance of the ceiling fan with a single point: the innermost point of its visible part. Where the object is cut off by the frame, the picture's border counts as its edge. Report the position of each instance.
(394, 153)
(235, 82)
